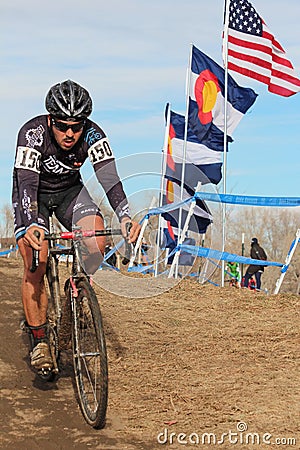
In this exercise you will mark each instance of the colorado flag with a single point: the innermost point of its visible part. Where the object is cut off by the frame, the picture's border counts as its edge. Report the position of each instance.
(207, 100)
(201, 162)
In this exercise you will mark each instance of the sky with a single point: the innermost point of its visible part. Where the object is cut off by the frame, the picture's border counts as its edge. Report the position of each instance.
(132, 56)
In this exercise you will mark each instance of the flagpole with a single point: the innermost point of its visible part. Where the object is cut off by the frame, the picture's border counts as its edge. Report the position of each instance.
(138, 243)
(187, 93)
(182, 235)
(287, 261)
(225, 60)
(163, 172)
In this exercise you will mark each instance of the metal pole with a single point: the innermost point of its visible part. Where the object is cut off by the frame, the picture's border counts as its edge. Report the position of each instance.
(225, 49)
(163, 172)
(188, 86)
(182, 235)
(243, 253)
(287, 261)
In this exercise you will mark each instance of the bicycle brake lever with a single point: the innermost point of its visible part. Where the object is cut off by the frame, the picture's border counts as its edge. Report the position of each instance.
(35, 255)
(128, 247)
(128, 226)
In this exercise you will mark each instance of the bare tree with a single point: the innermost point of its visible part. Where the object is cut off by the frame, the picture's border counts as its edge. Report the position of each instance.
(275, 229)
(7, 221)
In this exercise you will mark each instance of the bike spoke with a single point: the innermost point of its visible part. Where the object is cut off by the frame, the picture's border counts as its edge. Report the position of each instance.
(92, 384)
(90, 360)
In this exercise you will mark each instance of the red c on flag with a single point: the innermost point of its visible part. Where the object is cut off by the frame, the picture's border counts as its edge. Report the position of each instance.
(169, 192)
(170, 160)
(206, 91)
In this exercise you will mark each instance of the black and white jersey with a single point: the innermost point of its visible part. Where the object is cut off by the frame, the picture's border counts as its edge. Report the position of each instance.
(41, 166)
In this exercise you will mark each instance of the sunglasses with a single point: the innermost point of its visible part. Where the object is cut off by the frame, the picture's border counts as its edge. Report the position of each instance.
(62, 126)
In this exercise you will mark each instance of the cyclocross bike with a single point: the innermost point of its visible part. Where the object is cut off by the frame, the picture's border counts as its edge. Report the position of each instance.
(77, 317)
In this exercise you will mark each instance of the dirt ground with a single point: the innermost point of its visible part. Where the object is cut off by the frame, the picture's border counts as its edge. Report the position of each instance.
(196, 366)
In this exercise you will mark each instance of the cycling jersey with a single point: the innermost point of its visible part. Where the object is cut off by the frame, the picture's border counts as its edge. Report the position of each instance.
(42, 167)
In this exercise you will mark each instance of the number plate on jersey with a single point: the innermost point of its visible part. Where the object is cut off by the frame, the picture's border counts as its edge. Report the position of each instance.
(100, 151)
(28, 158)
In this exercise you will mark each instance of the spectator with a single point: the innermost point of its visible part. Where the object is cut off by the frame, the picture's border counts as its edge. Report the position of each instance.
(233, 270)
(144, 249)
(256, 252)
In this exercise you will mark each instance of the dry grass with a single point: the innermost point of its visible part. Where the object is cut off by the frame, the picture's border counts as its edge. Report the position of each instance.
(194, 359)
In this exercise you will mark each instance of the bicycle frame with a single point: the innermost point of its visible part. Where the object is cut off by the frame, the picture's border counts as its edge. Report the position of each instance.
(82, 317)
(77, 271)
(74, 250)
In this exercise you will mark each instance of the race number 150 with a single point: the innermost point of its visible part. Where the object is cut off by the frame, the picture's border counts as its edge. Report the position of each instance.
(100, 151)
(28, 158)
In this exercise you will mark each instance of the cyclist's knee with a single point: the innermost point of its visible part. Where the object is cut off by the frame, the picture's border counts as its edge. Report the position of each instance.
(92, 262)
(96, 244)
(101, 242)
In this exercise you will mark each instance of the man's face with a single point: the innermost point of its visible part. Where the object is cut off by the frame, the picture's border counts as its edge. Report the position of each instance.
(66, 133)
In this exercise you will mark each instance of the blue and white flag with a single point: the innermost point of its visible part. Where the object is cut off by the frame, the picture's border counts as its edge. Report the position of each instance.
(201, 218)
(207, 101)
(201, 162)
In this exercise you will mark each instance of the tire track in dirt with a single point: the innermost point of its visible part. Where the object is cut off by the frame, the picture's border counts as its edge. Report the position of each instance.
(34, 414)
(192, 359)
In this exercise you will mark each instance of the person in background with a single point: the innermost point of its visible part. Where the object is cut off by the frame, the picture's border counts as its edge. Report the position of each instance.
(256, 252)
(144, 249)
(233, 270)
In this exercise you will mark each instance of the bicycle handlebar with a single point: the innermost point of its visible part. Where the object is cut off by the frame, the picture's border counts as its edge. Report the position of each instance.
(128, 247)
(77, 235)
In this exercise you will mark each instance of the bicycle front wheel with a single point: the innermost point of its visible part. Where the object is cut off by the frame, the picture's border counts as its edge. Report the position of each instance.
(89, 355)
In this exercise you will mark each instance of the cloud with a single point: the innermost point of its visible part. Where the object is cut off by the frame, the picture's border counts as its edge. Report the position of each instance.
(132, 56)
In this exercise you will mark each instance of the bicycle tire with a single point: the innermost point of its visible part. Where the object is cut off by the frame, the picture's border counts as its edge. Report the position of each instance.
(89, 355)
(65, 327)
(54, 289)
(53, 315)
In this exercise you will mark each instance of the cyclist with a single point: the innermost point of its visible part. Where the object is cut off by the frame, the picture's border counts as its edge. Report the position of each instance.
(51, 150)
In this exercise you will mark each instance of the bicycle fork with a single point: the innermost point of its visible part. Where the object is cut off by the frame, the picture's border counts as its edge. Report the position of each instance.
(74, 295)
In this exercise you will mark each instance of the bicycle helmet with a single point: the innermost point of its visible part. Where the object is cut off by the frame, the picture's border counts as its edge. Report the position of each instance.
(69, 101)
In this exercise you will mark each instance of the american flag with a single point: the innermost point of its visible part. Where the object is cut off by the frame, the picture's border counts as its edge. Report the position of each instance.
(254, 51)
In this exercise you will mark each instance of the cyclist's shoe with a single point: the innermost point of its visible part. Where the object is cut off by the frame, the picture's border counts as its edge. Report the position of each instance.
(41, 357)
(23, 325)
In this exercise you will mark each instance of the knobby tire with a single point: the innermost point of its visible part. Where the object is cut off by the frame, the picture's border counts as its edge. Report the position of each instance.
(53, 290)
(89, 355)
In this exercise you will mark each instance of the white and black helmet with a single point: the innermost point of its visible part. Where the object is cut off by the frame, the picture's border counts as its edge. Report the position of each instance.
(69, 101)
